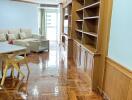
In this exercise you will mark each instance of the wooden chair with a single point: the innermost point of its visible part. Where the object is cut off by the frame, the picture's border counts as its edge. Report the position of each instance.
(3, 88)
(14, 61)
(22, 60)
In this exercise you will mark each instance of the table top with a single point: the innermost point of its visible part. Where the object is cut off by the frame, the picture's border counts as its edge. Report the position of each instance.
(8, 48)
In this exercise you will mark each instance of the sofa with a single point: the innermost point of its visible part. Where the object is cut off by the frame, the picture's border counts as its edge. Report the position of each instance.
(24, 37)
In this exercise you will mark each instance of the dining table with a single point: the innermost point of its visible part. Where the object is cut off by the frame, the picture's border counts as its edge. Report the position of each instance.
(9, 48)
(5, 50)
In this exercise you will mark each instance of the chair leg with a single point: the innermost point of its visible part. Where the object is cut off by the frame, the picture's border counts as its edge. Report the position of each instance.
(12, 72)
(18, 72)
(3, 65)
(17, 68)
(26, 62)
(4, 74)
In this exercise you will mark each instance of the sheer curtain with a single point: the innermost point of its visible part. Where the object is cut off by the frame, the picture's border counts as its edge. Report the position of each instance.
(42, 30)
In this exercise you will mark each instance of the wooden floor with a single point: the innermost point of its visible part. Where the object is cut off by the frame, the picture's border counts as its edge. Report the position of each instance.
(52, 77)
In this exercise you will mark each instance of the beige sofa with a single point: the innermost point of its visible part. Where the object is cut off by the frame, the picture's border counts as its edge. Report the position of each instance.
(24, 37)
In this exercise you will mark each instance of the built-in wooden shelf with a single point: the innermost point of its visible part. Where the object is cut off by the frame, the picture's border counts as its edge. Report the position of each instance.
(92, 5)
(90, 48)
(67, 15)
(91, 34)
(78, 30)
(78, 41)
(66, 35)
(80, 20)
(81, 2)
(68, 3)
(80, 10)
(93, 17)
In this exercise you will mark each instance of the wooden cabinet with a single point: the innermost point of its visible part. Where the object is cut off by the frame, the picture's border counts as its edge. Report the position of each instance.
(86, 34)
(66, 39)
(82, 19)
(67, 19)
(74, 52)
(67, 45)
(77, 54)
(83, 60)
(87, 63)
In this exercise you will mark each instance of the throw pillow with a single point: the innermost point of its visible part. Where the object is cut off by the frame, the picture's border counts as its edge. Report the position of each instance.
(2, 37)
(10, 41)
(23, 35)
(11, 36)
(14, 31)
(28, 32)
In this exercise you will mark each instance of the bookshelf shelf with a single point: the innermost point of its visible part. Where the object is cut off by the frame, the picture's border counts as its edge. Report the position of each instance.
(91, 3)
(79, 30)
(93, 17)
(87, 16)
(91, 34)
(80, 10)
(96, 4)
(80, 20)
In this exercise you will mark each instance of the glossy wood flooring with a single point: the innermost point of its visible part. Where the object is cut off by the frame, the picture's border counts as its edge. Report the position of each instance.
(52, 77)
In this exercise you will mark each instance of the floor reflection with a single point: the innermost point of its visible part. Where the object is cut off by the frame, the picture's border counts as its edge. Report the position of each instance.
(51, 78)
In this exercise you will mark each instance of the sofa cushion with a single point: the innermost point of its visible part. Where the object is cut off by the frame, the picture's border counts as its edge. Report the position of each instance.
(25, 40)
(28, 40)
(2, 37)
(3, 31)
(28, 32)
(12, 37)
(14, 31)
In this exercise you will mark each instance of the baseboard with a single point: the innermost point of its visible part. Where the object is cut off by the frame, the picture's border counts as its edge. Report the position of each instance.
(103, 94)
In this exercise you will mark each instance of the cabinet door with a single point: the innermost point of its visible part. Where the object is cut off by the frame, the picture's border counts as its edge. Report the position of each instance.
(89, 64)
(78, 58)
(83, 59)
(74, 52)
(70, 48)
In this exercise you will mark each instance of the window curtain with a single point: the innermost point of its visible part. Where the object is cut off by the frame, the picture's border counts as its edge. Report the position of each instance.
(42, 30)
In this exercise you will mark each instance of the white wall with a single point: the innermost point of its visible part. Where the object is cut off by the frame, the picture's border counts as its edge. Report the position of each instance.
(120, 47)
(18, 15)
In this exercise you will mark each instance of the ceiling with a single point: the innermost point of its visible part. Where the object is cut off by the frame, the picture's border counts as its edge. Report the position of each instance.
(40, 1)
(48, 1)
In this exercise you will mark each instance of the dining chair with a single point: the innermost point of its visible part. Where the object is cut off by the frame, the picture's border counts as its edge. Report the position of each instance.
(14, 61)
(2, 88)
(9, 62)
(21, 60)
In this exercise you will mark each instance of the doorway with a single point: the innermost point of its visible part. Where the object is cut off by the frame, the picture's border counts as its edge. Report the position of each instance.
(49, 23)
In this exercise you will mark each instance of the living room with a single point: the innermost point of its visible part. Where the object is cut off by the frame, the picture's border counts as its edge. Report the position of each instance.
(65, 50)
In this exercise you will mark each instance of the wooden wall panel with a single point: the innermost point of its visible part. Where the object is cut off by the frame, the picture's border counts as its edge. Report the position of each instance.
(130, 92)
(116, 83)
